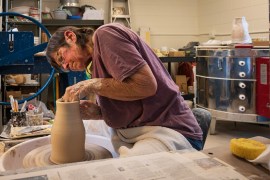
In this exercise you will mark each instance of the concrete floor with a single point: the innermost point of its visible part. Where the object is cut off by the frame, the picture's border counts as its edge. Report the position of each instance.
(226, 130)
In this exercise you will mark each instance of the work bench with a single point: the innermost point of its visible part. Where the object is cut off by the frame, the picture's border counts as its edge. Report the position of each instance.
(214, 163)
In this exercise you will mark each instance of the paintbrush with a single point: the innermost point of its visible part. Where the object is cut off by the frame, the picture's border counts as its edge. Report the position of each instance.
(12, 102)
(23, 106)
(16, 105)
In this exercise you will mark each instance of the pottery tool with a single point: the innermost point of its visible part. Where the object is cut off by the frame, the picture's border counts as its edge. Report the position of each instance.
(11, 102)
(23, 107)
(31, 129)
(16, 108)
(36, 110)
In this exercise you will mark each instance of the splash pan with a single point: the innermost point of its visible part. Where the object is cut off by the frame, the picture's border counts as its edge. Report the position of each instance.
(36, 152)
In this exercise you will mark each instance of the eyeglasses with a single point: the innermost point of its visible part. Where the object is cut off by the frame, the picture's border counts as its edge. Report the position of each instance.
(59, 59)
(60, 62)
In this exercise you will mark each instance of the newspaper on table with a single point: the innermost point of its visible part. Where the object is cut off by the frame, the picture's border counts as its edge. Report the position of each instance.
(10, 132)
(163, 165)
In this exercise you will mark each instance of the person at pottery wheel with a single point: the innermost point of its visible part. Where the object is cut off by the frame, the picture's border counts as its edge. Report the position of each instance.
(135, 95)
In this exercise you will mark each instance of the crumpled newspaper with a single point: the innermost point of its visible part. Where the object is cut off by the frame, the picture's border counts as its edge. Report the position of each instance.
(30, 131)
(11, 132)
(264, 158)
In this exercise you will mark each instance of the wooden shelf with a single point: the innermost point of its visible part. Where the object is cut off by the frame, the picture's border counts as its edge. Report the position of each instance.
(177, 59)
(188, 96)
(71, 22)
(23, 85)
(169, 60)
(21, 23)
(120, 16)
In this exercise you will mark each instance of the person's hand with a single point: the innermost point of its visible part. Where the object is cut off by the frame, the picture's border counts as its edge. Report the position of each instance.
(80, 90)
(90, 110)
(71, 94)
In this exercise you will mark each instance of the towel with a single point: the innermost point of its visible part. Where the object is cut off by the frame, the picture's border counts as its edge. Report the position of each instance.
(139, 140)
(147, 140)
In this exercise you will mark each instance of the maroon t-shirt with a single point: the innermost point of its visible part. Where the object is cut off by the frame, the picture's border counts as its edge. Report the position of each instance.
(119, 53)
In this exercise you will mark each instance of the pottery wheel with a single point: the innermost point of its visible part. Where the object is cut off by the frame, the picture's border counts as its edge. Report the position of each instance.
(40, 156)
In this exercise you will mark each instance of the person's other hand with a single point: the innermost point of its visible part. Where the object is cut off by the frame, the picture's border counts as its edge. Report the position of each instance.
(71, 94)
(80, 90)
(89, 110)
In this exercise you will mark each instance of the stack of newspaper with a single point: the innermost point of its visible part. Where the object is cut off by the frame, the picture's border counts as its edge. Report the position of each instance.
(163, 165)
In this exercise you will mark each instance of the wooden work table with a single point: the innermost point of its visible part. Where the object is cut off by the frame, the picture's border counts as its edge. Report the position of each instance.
(248, 169)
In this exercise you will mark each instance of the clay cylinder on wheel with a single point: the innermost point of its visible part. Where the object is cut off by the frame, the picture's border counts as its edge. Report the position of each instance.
(68, 134)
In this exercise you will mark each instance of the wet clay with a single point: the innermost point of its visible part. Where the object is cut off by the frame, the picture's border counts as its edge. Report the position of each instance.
(68, 134)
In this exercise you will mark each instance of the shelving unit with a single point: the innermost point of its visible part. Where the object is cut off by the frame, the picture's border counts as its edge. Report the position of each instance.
(120, 12)
(169, 60)
(39, 64)
(71, 22)
(21, 23)
(28, 65)
(19, 91)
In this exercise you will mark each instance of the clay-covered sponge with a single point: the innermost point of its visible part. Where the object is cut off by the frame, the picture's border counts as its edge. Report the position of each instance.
(246, 148)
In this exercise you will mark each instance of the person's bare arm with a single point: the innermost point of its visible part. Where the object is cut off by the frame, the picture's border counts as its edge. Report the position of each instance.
(138, 86)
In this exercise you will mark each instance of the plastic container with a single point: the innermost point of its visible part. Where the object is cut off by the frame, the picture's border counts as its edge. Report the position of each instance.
(18, 119)
(74, 17)
(59, 14)
(34, 119)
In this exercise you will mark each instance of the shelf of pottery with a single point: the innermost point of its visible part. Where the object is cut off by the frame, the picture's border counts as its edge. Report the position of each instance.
(120, 12)
(31, 8)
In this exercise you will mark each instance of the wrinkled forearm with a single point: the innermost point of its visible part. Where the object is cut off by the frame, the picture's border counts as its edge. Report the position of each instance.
(141, 85)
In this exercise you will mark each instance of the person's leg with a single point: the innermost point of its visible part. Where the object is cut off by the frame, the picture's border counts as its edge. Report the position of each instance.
(145, 146)
(204, 118)
(196, 144)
